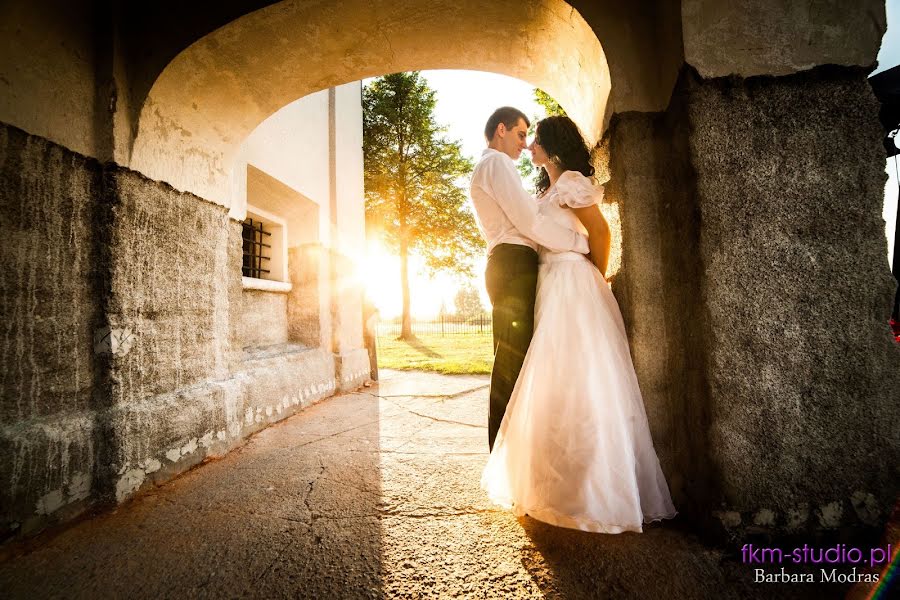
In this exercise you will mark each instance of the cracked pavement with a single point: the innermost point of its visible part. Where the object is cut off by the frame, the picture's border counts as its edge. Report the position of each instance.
(364, 495)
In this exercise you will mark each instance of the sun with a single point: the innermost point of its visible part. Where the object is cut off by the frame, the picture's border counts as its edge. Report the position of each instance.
(379, 273)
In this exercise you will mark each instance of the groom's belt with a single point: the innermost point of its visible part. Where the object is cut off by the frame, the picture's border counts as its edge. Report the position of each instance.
(555, 257)
(509, 248)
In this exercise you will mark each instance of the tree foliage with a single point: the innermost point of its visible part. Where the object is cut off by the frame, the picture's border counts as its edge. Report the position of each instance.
(415, 202)
(551, 106)
(526, 168)
(467, 302)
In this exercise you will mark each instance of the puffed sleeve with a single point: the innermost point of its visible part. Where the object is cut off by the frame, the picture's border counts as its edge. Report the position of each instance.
(577, 191)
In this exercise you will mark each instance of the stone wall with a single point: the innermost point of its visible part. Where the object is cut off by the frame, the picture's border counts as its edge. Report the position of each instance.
(263, 319)
(122, 312)
(175, 284)
(307, 305)
(803, 371)
(757, 294)
(658, 290)
(49, 311)
(175, 294)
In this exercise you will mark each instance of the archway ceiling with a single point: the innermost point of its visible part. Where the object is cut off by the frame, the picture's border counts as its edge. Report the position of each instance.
(214, 93)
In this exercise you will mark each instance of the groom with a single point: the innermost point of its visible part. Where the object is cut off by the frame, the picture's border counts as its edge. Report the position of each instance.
(509, 221)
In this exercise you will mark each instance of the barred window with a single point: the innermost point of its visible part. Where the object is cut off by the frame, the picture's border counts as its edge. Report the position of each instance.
(257, 253)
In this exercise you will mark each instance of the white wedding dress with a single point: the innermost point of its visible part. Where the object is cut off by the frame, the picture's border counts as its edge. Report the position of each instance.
(574, 448)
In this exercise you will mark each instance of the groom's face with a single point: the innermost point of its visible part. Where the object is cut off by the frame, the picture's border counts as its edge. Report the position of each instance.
(513, 141)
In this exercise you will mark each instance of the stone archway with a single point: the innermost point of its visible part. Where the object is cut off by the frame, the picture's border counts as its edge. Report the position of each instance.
(744, 228)
(216, 91)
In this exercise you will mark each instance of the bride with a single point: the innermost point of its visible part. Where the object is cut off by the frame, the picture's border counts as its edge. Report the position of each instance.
(574, 448)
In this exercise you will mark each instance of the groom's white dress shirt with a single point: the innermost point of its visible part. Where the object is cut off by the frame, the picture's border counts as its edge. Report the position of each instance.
(507, 214)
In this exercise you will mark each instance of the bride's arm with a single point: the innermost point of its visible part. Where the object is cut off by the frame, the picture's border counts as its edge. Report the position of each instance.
(598, 235)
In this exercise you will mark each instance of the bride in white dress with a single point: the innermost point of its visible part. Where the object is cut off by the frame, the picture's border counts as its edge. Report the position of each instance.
(574, 448)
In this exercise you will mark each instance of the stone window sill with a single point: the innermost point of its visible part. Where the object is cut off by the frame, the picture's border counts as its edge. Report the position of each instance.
(265, 285)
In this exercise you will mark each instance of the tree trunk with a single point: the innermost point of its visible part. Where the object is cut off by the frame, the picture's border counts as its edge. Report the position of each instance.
(406, 321)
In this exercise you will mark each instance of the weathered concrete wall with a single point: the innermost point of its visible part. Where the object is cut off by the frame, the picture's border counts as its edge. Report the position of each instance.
(263, 319)
(48, 71)
(123, 300)
(49, 310)
(803, 372)
(175, 293)
(280, 380)
(658, 288)
(780, 37)
(309, 313)
(757, 296)
(175, 284)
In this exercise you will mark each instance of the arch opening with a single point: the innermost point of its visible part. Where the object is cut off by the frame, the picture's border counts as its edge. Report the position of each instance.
(216, 92)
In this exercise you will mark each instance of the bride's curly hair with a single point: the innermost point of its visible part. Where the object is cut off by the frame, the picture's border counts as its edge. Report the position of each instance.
(562, 141)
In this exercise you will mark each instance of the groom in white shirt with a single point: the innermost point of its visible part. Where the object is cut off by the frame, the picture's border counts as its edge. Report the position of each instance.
(509, 221)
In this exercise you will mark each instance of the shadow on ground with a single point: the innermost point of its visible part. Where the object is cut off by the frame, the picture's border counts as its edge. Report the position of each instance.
(366, 495)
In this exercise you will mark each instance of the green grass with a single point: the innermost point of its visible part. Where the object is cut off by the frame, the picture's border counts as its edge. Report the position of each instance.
(451, 354)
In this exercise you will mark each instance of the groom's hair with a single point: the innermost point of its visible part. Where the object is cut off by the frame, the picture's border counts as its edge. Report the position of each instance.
(507, 115)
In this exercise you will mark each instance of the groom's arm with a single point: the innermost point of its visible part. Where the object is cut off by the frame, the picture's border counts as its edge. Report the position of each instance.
(522, 210)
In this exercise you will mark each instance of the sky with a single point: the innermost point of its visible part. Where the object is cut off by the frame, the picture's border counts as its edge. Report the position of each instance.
(465, 99)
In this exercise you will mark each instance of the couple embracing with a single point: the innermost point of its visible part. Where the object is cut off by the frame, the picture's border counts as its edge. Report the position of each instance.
(570, 444)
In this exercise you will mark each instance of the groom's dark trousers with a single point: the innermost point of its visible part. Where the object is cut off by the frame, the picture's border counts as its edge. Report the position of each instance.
(511, 278)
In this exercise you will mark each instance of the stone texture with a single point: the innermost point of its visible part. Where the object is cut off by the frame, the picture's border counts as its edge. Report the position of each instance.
(166, 434)
(779, 37)
(47, 295)
(757, 295)
(352, 369)
(368, 495)
(658, 289)
(263, 319)
(306, 300)
(47, 471)
(803, 372)
(280, 380)
(100, 253)
(49, 309)
(172, 271)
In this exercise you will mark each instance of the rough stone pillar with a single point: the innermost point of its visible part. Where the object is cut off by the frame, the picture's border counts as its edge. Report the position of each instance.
(803, 373)
(756, 290)
(658, 290)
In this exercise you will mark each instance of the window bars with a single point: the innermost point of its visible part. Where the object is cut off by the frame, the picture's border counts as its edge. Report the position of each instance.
(255, 250)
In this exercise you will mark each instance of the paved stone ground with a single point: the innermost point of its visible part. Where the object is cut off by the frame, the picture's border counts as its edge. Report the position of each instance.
(366, 495)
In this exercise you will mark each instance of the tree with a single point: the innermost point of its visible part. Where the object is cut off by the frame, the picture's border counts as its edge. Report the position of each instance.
(551, 108)
(468, 302)
(526, 168)
(413, 176)
(550, 105)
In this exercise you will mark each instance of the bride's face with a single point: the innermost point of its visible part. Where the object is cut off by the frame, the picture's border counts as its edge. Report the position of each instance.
(538, 155)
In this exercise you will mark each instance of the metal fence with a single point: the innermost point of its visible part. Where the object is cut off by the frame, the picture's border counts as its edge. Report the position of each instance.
(443, 326)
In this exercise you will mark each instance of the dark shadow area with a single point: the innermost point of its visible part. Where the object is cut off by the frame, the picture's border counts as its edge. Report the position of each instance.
(661, 281)
(291, 513)
(665, 561)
